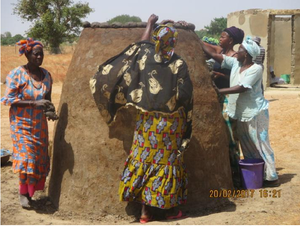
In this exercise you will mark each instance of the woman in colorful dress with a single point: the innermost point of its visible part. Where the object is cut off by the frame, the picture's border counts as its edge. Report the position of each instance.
(155, 80)
(28, 92)
(221, 76)
(248, 106)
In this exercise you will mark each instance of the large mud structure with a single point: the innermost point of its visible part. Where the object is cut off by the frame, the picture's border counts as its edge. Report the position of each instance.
(88, 156)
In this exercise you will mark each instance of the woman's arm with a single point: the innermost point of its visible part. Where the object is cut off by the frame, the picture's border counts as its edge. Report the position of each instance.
(218, 49)
(151, 21)
(217, 74)
(212, 52)
(48, 95)
(232, 90)
(33, 103)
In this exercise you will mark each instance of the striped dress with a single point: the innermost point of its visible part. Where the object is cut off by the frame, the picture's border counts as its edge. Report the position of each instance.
(29, 128)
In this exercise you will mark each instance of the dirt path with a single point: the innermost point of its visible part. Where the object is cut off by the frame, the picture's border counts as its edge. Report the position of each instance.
(285, 140)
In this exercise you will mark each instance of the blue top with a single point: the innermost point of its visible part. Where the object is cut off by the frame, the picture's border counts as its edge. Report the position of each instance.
(245, 106)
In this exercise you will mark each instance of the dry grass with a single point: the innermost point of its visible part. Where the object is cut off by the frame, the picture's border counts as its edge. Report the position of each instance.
(57, 65)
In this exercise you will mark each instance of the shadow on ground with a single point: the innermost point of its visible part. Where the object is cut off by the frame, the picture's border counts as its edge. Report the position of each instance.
(7, 164)
(271, 100)
(133, 209)
(285, 178)
(43, 205)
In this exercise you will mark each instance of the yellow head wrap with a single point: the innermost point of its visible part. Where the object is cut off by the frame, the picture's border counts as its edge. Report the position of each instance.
(165, 39)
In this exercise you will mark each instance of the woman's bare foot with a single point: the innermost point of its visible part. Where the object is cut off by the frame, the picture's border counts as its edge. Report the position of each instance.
(175, 213)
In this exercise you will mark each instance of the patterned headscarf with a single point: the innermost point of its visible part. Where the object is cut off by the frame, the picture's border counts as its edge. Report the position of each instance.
(28, 45)
(251, 47)
(165, 36)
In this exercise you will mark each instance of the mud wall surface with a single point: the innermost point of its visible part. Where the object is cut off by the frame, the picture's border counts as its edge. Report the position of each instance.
(88, 156)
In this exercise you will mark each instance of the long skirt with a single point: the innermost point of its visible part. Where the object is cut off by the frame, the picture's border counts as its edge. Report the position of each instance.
(254, 139)
(28, 184)
(154, 174)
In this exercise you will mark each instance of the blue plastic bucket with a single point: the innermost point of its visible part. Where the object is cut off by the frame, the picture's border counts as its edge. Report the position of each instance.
(252, 173)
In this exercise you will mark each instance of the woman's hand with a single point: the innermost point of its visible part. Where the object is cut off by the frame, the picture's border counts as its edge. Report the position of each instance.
(152, 19)
(51, 115)
(50, 112)
(183, 23)
(217, 75)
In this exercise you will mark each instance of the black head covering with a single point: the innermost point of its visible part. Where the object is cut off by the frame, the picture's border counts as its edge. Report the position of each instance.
(236, 33)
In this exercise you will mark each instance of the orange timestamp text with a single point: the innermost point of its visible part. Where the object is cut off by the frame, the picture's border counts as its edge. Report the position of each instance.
(247, 193)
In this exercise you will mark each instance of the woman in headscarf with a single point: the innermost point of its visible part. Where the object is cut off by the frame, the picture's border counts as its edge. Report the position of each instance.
(28, 92)
(228, 39)
(155, 80)
(221, 76)
(248, 106)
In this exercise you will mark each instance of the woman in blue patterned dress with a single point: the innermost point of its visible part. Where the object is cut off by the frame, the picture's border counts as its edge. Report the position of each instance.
(28, 92)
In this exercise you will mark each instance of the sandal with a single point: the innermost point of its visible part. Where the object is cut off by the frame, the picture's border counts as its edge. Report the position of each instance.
(178, 216)
(145, 220)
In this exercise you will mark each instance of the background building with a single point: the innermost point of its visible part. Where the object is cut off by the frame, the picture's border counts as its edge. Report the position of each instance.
(279, 31)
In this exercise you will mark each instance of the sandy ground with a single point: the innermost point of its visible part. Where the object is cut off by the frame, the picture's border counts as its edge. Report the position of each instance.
(285, 140)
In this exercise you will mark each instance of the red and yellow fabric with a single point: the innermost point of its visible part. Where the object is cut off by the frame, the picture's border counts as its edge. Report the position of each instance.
(165, 39)
(28, 125)
(154, 173)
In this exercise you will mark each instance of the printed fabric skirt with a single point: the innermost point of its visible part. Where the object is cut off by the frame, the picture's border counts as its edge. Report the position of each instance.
(154, 175)
(254, 138)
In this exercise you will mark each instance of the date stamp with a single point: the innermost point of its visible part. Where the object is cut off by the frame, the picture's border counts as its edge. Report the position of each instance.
(227, 193)
(247, 193)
